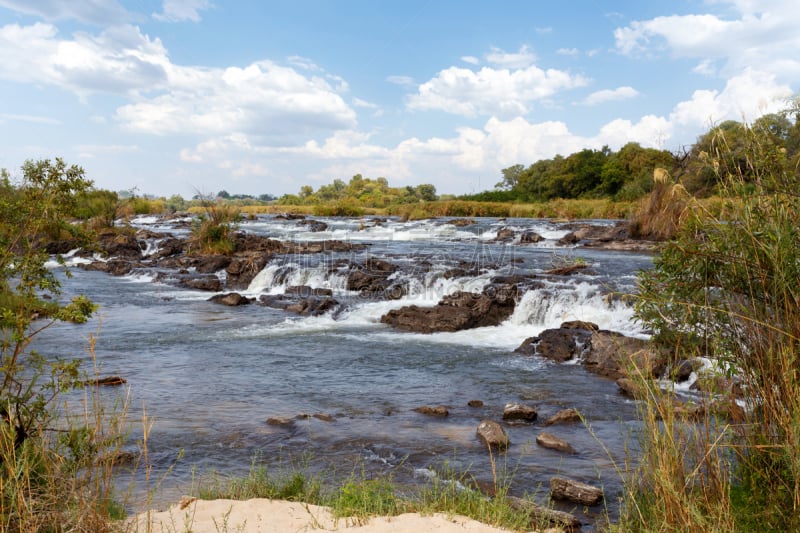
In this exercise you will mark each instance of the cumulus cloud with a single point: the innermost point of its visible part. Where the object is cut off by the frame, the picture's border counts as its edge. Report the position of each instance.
(96, 12)
(181, 10)
(490, 91)
(263, 98)
(472, 60)
(120, 59)
(762, 35)
(610, 95)
(400, 80)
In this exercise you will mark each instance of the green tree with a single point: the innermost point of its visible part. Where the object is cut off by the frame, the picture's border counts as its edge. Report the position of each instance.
(510, 177)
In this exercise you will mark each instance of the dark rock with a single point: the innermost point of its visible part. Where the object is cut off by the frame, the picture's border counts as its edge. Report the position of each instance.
(280, 421)
(575, 491)
(565, 416)
(530, 237)
(324, 417)
(461, 310)
(504, 234)
(231, 299)
(304, 291)
(475, 403)
(201, 282)
(461, 222)
(244, 267)
(568, 239)
(62, 246)
(122, 244)
(493, 435)
(119, 267)
(519, 412)
(211, 263)
(629, 388)
(562, 344)
(682, 371)
(566, 270)
(313, 225)
(169, 247)
(439, 410)
(551, 442)
(106, 381)
(312, 306)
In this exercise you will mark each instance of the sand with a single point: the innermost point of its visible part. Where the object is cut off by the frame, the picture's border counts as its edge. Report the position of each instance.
(274, 516)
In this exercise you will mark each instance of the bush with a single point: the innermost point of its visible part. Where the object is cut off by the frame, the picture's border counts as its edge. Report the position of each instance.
(727, 288)
(213, 231)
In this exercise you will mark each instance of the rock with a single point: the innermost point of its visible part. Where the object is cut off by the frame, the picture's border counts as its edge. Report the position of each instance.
(629, 388)
(231, 299)
(504, 234)
(530, 237)
(119, 267)
(729, 410)
(314, 225)
(682, 371)
(493, 435)
(562, 344)
(551, 442)
(201, 282)
(119, 243)
(575, 491)
(566, 270)
(568, 239)
(289, 216)
(211, 263)
(169, 247)
(461, 222)
(517, 411)
(324, 417)
(543, 515)
(461, 310)
(613, 355)
(305, 291)
(280, 421)
(439, 410)
(565, 416)
(244, 267)
(312, 306)
(106, 381)
(475, 403)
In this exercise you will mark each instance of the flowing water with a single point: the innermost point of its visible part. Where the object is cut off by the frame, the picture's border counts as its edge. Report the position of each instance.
(209, 376)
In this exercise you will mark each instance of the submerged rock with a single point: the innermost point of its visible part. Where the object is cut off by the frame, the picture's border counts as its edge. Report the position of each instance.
(565, 416)
(551, 442)
(439, 410)
(231, 299)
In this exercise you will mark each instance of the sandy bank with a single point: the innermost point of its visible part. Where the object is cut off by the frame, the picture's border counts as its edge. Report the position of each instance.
(273, 516)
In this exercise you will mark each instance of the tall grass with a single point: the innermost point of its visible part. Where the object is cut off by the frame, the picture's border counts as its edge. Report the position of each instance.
(213, 232)
(727, 288)
(61, 479)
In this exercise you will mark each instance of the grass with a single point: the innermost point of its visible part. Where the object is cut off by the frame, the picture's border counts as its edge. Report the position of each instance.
(361, 495)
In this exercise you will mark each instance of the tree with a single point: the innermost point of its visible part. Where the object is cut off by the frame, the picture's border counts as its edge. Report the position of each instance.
(33, 211)
(223, 194)
(510, 177)
(425, 192)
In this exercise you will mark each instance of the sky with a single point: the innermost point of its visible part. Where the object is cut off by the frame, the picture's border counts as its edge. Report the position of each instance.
(259, 97)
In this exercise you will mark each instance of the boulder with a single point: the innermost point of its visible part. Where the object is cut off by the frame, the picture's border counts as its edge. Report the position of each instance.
(280, 421)
(562, 344)
(231, 299)
(519, 412)
(211, 263)
(493, 435)
(305, 291)
(107, 381)
(201, 282)
(312, 306)
(461, 310)
(504, 234)
(313, 225)
(565, 416)
(574, 491)
(169, 247)
(120, 267)
(475, 403)
(439, 410)
(551, 442)
(119, 243)
(530, 237)
(629, 388)
(244, 267)
(461, 222)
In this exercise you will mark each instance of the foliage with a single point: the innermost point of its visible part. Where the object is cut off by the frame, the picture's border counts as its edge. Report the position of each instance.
(43, 469)
(213, 231)
(726, 288)
(364, 192)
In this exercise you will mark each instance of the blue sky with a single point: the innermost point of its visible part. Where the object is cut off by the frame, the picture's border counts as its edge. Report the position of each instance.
(253, 97)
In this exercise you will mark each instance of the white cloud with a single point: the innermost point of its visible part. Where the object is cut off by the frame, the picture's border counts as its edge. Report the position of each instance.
(400, 80)
(33, 119)
(119, 60)
(262, 99)
(180, 10)
(304, 63)
(568, 51)
(515, 60)
(610, 95)
(763, 35)
(358, 102)
(98, 12)
(488, 91)
(472, 60)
